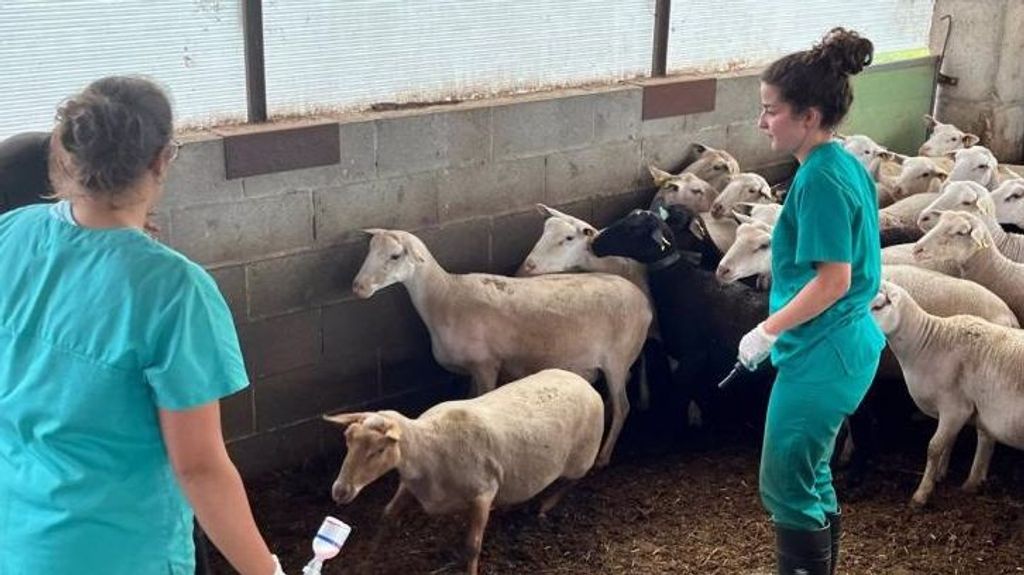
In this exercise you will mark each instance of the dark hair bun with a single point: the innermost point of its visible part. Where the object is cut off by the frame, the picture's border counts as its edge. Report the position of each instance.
(844, 51)
(113, 129)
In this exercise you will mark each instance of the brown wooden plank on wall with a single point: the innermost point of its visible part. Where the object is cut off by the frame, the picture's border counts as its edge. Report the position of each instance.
(270, 151)
(662, 100)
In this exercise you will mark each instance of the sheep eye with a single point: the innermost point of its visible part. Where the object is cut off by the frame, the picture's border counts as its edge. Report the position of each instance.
(396, 256)
(966, 203)
(719, 167)
(568, 238)
(763, 247)
(926, 174)
(982, 166)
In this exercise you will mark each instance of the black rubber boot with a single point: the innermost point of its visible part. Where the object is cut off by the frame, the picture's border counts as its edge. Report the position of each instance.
(835, 527)
(802, 552)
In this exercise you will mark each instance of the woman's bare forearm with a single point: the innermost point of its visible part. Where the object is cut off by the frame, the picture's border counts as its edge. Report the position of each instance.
(828, 287)
(222, 508)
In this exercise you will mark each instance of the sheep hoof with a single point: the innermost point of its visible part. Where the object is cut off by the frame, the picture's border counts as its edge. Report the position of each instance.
(918, 502)
(971, 486)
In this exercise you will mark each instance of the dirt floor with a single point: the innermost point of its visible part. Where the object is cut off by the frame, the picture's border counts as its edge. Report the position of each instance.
(691, 509)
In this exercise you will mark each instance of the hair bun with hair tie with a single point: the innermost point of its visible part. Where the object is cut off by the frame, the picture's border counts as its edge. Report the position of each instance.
(844, 51)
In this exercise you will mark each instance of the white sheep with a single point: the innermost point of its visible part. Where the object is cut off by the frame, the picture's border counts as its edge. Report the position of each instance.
(978, 164)
(971, 197)
(750, 255)
(863, 148)
(919, 175)
(945, 138)
(686, 190)
(745, 187)
(713, 165)
(1009, 202)
(489, 326)
(565, 246)
(964, 238)
(499, 449)
(959, 370)
(897, 223)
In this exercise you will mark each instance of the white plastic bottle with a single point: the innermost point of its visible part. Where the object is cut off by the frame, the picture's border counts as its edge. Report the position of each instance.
(328, 542)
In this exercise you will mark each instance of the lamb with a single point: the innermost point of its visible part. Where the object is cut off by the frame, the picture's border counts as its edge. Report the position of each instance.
(750, 255)
(898, 223)
(863, 148)
(978, 164)
(1008, 202)
(964, 238)
(501, 448)
(746, 187)
(712, 165)
(492, 326)
(919, 175)
(686, 189)
(945, 138)
(959, 370)
(973, 198)
(564, 246)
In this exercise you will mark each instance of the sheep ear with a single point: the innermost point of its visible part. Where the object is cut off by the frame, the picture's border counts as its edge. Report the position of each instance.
(978, 235)
(930, 121)
(970, 140)
(661, 177)
(766, 193)
(393, 432)
(549, 212)
(983, 206)
(699, 148)
(589, 232)
(346, 419)
(839, 136)
(941, 174)
(373, 231)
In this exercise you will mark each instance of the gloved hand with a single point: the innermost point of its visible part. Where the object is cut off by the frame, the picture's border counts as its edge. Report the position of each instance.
(277, 564)
(755, 347)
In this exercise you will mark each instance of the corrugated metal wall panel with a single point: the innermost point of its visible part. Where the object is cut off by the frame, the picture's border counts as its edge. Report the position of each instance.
(718, 35)
(51, 49)
(328, 53)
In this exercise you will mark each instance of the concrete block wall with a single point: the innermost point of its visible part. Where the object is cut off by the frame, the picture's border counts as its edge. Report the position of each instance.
(986, 54)
(284, 246)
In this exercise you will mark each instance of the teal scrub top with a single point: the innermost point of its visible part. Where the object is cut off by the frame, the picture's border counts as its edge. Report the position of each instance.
(99, 329)
(830, 215)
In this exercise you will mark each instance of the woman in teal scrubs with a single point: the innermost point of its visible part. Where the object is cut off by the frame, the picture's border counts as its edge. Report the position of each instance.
(114, 351)
(826, 267)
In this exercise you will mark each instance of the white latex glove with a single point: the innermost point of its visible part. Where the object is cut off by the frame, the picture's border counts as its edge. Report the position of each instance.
(755, 347)
(277, 565)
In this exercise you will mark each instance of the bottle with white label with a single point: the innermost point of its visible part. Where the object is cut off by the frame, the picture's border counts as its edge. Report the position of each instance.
(327, 543)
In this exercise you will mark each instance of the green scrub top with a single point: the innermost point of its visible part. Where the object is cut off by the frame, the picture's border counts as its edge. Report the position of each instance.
(830, 215)
(99, 329)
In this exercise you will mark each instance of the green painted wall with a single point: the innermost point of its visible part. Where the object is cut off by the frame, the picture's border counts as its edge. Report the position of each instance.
(889, 103)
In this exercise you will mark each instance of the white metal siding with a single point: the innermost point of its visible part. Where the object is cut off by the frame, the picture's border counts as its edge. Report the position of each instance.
(336, 54)
(51, 49)
(324, 52)
(723, 34)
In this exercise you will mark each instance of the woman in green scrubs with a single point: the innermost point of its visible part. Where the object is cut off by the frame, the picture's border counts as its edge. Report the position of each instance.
(114, 351)
(826, 267)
